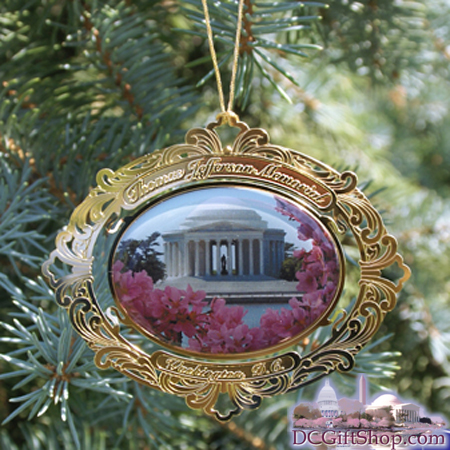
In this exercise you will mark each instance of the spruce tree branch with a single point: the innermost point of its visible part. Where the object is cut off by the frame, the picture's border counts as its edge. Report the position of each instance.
(247, 36)
(106, 57)
(427, 316)
(255, 441)
(19, 158)
(25, 102)
(442, 47)
(311, 103)
(15, 150)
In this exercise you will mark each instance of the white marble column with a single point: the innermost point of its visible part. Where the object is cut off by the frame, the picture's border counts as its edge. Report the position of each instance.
(261, 257)
(218, 257)
(229, 265)
(186, 258)
(166, 258)
(208, 257)
(175, 259)
(276, 256)
(197, 258)
(281, 253)
(251, 256)
(180, 260)
(170, 265)
(271, 265)
(241, 256)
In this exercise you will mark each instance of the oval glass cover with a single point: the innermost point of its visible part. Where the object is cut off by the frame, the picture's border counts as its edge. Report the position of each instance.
(226, 270)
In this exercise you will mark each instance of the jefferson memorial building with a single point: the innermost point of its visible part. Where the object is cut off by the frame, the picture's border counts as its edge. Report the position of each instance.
(223, 240)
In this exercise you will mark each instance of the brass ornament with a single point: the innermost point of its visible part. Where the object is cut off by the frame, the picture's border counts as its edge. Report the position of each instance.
(203, 163)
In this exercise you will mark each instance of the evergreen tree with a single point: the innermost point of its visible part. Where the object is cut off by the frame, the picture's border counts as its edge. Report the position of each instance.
(142, 255)
(93, 84)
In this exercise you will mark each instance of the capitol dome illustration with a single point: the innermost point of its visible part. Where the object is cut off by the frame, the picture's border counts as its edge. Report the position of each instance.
(328, 402)
(221, 239)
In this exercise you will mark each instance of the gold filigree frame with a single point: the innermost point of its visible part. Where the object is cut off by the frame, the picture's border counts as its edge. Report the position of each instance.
(203, 161)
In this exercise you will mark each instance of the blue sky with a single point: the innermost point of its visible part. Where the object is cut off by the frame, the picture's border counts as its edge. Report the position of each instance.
(170, 214)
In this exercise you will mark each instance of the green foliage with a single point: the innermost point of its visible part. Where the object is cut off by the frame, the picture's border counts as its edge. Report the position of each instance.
(142, 255)
(289, 268)
(22, 202)
(376, 38)
(270, 30)
(93, 84)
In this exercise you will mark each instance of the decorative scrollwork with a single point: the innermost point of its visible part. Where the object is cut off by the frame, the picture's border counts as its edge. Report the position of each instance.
(250, 160)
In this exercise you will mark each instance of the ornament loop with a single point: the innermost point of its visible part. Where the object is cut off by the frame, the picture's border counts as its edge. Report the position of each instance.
(228, 118)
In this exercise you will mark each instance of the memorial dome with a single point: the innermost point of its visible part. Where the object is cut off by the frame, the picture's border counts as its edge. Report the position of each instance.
(213, 213)
(386, 400)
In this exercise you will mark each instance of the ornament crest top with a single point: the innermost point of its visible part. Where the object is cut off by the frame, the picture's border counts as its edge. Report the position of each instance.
(224, 259)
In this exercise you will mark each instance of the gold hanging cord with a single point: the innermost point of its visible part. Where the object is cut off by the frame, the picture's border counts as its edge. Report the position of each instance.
(227, 115)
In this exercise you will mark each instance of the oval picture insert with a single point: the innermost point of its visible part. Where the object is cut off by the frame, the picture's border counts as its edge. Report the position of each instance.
(226, 270)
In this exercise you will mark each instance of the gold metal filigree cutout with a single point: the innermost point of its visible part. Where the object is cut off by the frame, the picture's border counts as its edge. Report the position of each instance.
(202, 162)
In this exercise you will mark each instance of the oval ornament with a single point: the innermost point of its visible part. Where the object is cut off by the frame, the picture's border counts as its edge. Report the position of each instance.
(227, 259)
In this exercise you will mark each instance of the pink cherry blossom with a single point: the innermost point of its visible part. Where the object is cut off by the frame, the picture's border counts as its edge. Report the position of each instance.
(304, 423)
(299, 312)
(306, 230)
(116, 270)
(314, 255)
(321, 422)
(299, 254)
(329, 291)
(316, 269)
(365, 423)
(307, 282)
(353, 423)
